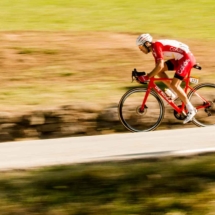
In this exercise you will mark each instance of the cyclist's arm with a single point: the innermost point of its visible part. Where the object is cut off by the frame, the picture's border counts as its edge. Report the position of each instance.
(158, 68)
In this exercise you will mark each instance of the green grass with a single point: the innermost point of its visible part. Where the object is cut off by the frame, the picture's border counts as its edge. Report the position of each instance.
(30, 51)
(161, 187)
(186, 18)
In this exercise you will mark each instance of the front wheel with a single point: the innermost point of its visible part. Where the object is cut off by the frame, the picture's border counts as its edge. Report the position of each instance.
(131, 116)
(202, 98)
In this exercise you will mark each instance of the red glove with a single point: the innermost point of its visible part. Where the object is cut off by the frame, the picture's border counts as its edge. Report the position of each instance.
(143, 78)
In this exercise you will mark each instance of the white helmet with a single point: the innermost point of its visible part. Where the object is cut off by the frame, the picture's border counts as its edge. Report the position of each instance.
(143, 38)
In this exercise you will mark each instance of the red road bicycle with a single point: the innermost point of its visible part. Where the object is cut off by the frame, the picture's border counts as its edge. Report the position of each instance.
(142, 109)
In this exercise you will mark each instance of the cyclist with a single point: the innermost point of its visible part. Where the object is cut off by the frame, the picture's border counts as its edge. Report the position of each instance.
(169, 55)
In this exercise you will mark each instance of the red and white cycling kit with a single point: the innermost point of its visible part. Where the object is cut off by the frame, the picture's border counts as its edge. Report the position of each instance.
(177, 55)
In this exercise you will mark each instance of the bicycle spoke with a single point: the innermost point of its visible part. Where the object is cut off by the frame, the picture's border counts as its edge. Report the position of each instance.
(131, 116)
(203, 98)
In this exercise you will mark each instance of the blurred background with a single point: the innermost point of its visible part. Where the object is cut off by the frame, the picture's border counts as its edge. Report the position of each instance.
(63, 52)
(80, 54)
(64, 66)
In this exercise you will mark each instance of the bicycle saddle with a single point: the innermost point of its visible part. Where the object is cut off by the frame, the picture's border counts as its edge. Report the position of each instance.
(196, 66)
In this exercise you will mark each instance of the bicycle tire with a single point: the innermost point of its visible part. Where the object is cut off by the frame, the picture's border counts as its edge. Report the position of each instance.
(132, 119)
(204, 116)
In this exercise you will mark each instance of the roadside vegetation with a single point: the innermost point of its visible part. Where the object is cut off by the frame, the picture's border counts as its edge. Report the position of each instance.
(185, 19)
(166, 186)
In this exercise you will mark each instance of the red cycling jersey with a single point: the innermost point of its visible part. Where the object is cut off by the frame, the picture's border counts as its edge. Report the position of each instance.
(178, 53)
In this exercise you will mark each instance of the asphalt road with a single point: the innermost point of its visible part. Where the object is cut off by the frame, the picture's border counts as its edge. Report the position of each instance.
(38, 153)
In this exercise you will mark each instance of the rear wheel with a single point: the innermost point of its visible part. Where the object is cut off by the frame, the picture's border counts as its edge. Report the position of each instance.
(131, 116)
(203, 95)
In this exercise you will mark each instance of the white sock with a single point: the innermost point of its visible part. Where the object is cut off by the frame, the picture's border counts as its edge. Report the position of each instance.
(189, 107)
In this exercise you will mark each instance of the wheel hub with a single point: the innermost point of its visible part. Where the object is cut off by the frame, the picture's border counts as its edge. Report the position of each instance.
(209, 108)
(141, 112)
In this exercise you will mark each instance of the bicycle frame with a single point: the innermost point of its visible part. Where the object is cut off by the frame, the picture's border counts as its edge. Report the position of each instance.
(154, 86)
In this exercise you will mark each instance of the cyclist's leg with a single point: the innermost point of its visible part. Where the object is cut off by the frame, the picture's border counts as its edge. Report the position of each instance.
(182, 95)
(168, 65)
(185, 66)
(176, 86)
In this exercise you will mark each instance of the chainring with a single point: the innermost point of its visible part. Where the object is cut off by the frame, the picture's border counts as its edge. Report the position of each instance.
(179, 116)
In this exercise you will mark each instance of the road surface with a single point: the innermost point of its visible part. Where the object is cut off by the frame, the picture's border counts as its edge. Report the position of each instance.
(38, 153)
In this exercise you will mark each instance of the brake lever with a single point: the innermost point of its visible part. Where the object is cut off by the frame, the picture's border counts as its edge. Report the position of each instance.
(133, 75)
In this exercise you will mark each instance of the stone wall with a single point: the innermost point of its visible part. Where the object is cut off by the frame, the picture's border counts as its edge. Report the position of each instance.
(64, 121)
(67, 121)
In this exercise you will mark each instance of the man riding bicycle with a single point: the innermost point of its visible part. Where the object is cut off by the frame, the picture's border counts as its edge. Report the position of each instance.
(177, 57)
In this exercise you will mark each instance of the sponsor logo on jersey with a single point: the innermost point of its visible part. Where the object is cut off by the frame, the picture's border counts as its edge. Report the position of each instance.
(184, 64)
(175, 49)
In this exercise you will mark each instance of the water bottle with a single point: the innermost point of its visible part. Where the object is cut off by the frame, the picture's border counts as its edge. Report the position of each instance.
(169, 93)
